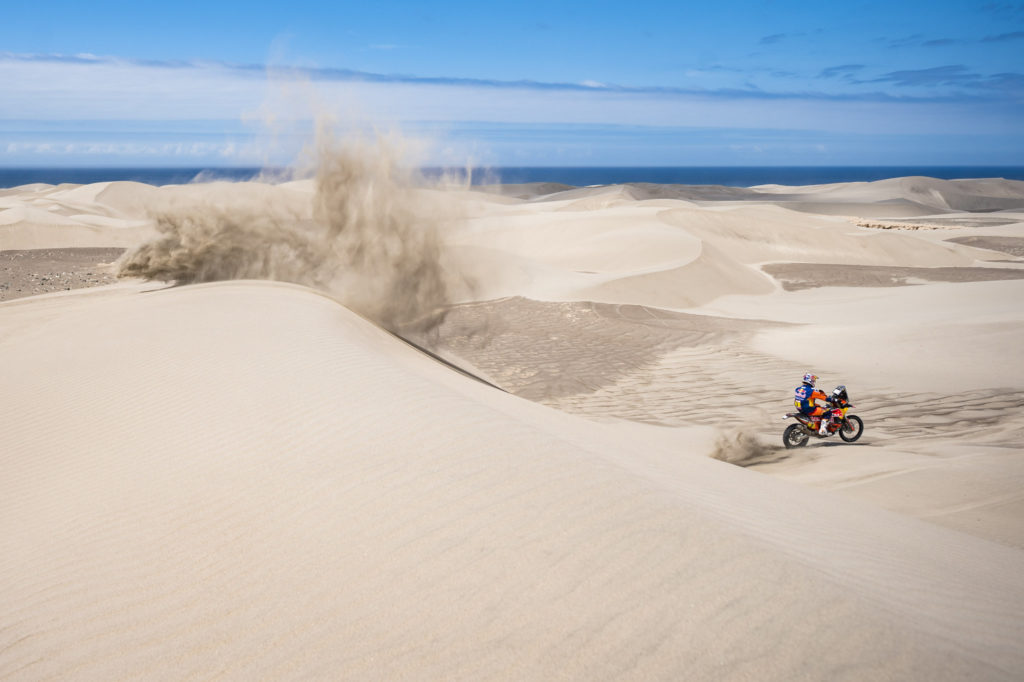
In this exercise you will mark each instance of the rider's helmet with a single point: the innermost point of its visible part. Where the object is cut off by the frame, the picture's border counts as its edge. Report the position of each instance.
(809, 379)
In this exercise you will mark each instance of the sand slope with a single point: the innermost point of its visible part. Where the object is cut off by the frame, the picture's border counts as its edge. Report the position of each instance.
(923, 330)
(110, 214)
(245, 479)
(293, 493)
(48, 216)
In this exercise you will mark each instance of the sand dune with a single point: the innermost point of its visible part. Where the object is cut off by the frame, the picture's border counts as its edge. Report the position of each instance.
(467, 537)
(48, 216)
(247, 479)
(991, 194)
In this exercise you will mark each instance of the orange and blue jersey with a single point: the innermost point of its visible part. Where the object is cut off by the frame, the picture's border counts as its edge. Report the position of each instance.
(805, 397)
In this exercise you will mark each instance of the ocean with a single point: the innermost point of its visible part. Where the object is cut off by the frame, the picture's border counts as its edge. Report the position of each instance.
(731, 176)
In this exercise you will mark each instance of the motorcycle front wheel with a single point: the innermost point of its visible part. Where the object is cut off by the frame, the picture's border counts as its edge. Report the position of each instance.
(851, 429)
(795, 436)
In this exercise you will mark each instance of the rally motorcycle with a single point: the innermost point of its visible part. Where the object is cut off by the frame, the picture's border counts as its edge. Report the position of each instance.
(848, 426)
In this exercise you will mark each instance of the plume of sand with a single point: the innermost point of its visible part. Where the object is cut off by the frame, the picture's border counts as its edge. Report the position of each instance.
(384, 231)
(740, 448)
(372, 237)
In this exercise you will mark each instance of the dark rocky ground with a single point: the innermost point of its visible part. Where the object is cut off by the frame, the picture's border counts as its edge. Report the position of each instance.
(39, 271)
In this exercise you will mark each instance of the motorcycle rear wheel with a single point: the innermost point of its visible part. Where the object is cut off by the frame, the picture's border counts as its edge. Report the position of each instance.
(795, 436)
(851, 429)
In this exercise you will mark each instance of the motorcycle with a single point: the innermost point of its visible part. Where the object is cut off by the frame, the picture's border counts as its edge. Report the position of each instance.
(850, 427)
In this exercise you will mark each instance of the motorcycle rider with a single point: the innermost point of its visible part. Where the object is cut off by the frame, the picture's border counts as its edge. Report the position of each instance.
(804, 398)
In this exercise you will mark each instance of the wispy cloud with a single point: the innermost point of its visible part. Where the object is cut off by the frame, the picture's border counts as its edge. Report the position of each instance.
(906, 41)
(1005, 82)
(1006, 11)
(919, 40)
(333, 74)
(935, 76)
(958, 75)
(1004, 37)
(953, 74)
(510, 144)
(87, 58)
(216, 110)
(841, 70)
(125, 149)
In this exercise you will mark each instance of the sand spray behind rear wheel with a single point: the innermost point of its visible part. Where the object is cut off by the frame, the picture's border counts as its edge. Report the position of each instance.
(372, 236)
(739, 447)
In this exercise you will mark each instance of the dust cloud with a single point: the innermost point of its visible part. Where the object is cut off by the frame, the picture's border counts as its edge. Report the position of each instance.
(740, 448)
(371, 235)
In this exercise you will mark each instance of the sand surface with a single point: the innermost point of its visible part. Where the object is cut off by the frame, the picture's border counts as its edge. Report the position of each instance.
(248, 477)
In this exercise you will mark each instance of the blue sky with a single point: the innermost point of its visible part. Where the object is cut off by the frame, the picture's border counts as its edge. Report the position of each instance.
(525, 83)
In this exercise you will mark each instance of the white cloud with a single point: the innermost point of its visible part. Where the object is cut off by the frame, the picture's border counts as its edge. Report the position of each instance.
(256, 119)
(119, 89)
(87, 151)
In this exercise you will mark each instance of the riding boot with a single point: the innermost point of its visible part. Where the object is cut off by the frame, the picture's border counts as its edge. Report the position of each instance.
(823, 429)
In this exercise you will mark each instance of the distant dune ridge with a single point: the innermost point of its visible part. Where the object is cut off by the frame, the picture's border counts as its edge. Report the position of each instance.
(246, 476)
